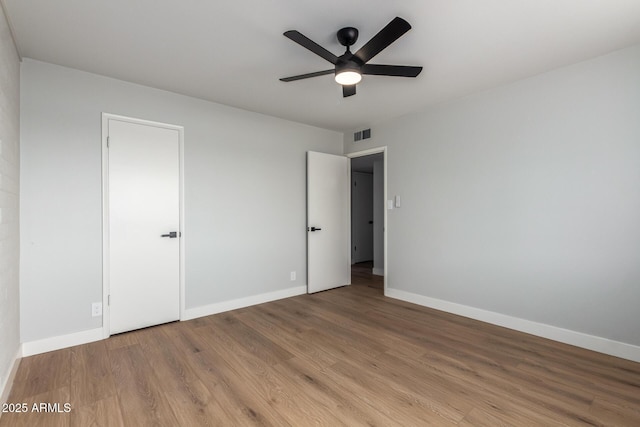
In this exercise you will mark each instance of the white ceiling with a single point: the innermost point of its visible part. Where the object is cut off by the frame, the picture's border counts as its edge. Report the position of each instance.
(233, 52)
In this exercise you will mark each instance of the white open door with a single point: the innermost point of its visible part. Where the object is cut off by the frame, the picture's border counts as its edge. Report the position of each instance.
(143, 224)
(328, 222)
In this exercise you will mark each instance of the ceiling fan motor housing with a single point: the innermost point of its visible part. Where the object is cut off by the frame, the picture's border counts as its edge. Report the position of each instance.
(347, 36)
(348, 62)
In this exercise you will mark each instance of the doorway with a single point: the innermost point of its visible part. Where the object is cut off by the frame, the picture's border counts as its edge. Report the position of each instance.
(368, 218)
(142, 223)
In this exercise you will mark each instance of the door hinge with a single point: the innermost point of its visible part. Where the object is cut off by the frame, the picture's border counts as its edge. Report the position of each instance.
(107, 142)
(108, 300)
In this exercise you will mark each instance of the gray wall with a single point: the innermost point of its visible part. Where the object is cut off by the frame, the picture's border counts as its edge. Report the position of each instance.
(361, 214)
(9, 194)
(378, 217)
(244, 195)
(524, 200)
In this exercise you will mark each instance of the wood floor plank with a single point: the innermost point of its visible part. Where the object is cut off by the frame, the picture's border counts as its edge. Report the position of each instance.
(41, 373)
(170, 367)
(229, 373)
(611, 411)
(44, 410)
(142, 402)
(193, 413)
(348, 356)
(349, 317)
(480, 418)
(249, 339)
(91, 380)
(340, 335)
(271, 328)
(402, 403)
(100, 413)
(503, 378)
(282, 395)
(237, 400)
(324, 395)
(597, 384)
(123, 340)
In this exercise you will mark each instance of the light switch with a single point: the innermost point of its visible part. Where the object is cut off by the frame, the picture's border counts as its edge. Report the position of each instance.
(397, 201)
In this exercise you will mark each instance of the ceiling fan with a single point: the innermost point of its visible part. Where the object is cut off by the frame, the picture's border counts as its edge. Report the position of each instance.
(349, 67)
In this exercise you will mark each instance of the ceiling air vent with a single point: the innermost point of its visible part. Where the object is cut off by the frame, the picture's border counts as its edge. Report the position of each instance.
(361, 134)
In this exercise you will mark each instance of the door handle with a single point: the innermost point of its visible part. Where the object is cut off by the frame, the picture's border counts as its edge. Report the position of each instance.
(315, 229)
(171, 235)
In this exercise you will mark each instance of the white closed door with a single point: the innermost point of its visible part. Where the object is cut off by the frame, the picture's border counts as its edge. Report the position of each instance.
(143, 224)
(328, 222)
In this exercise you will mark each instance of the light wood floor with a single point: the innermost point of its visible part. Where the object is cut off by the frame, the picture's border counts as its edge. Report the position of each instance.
(343, 357)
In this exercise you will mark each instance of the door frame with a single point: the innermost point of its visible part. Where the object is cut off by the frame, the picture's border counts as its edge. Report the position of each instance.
(105, 211)
(385, 229)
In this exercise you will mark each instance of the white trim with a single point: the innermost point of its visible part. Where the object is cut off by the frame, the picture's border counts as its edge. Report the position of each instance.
(207, 310)
(105, 228)
(182, 224)
(5, 387)
(377, 271)
(105, 209)
(62, 341)
(367, 152)
(385, 233)
(91, 335)
(578, 339)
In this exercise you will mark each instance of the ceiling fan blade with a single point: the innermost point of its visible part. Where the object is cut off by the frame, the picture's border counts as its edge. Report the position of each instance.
(348, 90)
(314, 47)
(391, 70)
(392, 32)
(308, 75)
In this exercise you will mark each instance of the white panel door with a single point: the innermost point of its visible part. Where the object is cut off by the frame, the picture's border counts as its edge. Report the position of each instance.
(144, 214)
(328, 222)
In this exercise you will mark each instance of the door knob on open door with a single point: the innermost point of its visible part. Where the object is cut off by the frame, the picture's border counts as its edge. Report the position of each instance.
(315, 229)
(171, 235)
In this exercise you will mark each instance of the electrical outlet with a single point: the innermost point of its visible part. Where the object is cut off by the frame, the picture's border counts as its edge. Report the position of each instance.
(293, 276)
(96, 309)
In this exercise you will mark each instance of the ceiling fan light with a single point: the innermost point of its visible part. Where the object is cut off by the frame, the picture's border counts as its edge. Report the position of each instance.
(348, 77)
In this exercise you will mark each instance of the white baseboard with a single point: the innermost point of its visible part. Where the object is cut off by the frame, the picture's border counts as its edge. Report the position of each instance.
(5, 387)
(62, 341)
(377, 271)
(55, 343)
(207, 310)
(578, 339)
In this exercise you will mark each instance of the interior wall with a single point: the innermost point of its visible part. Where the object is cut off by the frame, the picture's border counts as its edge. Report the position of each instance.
(378, 217)
(524, 200)
(361, 215)
(9, 208)
(244, 196)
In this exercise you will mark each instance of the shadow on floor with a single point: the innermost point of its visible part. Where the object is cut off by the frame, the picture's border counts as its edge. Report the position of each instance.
(361, 275)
